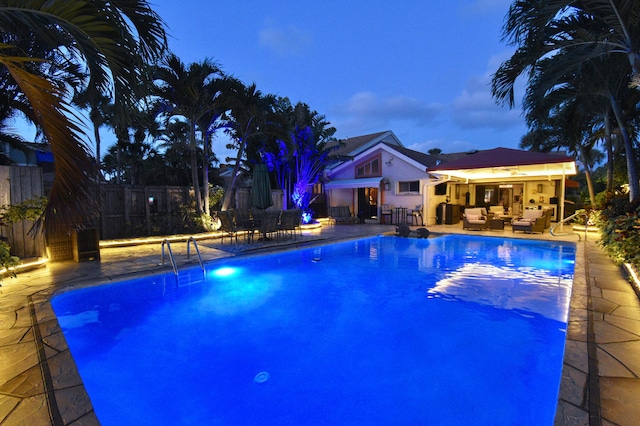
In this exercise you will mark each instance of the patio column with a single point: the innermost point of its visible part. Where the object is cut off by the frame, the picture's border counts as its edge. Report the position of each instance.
(562, 193)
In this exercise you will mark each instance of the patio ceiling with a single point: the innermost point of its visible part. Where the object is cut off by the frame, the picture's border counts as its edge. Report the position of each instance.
(504, 164)
(511, 173)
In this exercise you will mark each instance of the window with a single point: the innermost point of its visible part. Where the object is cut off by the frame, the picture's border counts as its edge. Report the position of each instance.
(409, 186)
(489, 195)
(369, 169)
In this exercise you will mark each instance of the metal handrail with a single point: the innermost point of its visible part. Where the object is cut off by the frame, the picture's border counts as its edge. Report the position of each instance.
(566, 219)
(171, 258)
(195, 244)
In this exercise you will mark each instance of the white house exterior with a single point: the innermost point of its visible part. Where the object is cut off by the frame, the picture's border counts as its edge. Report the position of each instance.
(381, 171)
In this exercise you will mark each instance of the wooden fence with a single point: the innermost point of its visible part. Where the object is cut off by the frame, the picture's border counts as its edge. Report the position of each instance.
(17, 184)
(137, 211)
(127, 211)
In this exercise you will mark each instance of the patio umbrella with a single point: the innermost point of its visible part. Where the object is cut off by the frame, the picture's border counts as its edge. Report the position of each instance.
(261, 188)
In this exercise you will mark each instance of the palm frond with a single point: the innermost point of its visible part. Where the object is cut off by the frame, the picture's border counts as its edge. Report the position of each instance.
(73, 196)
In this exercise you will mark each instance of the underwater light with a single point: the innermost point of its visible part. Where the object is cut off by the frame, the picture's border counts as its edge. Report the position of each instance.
(225, 271)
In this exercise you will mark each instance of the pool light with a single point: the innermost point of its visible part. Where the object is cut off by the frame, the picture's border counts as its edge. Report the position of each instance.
(225, 271)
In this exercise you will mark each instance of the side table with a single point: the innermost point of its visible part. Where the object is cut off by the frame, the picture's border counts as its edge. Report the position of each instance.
(496, 224)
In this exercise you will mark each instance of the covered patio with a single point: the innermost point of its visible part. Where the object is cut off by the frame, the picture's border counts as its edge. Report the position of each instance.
(514, 180)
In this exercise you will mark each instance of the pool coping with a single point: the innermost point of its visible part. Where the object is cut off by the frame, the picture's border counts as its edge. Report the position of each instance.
(68, 403)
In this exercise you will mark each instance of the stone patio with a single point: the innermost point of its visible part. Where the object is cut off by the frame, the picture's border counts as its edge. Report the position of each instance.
(39, 384)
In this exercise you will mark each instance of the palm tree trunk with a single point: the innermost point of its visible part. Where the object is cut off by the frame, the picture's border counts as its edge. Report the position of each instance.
(193, 149)
(231, 186)
(632, 171)
(96, 134)
(587, 174)
(205, 174)
(609, 147)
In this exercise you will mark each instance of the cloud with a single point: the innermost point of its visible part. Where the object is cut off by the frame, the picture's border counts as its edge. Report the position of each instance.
(476, 108)
(288, 41)
(365, 109)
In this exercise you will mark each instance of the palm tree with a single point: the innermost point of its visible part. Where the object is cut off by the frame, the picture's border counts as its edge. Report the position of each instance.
(584, 98)
(186, 91)
(299, 156)
(44, 41)
(96, 103)
(249, 111)
(582, 31)
(174, 144)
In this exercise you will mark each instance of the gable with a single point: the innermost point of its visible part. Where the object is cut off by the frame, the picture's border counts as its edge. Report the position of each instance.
(356, 145)
(392, 153)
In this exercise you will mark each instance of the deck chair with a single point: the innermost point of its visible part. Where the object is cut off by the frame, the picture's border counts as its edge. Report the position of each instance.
(416, 214)
(244, 223)
(289, 221)
(228, 226)
(386, 212)
(269, 221)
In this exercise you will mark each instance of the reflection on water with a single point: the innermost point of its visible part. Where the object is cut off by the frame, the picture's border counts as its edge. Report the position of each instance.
(240, 294)
(456, 330)
(508, 288)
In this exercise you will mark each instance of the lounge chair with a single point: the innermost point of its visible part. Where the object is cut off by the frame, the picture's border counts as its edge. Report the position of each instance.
(531, 221)
(475, 218)
(342, 214)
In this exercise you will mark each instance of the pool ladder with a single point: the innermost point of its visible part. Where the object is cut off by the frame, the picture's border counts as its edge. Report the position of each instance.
(173, 259)
(195, 245)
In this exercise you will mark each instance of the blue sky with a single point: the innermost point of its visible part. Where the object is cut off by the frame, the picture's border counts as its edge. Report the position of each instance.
(419, 68)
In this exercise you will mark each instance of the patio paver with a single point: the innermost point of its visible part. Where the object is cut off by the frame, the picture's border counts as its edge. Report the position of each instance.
(603, 334)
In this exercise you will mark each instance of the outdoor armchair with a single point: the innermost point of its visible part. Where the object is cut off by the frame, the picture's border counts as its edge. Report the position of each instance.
(531, 221)
(475, 218)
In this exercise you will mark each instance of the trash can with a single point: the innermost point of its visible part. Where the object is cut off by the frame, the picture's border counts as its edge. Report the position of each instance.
(441, 213)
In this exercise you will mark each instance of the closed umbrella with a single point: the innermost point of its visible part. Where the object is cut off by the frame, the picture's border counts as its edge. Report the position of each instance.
(261, 188)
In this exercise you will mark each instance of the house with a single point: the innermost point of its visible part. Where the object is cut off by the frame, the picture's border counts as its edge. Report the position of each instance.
(380, 170)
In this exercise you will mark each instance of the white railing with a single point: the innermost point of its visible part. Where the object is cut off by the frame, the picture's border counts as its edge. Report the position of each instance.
(195, 244)
(566, 219)
(171, 258)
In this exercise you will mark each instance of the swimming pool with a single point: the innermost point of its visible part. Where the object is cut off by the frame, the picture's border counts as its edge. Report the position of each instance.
(385, 330)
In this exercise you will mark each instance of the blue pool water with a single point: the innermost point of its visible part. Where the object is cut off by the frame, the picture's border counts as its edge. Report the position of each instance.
(385, 330)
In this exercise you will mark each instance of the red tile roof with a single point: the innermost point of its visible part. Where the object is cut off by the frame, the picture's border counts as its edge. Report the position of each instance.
(501, 157)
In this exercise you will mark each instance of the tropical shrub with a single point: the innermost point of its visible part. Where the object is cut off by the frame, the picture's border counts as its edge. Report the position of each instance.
(6, 260)
(619, 223)
(30, 209)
